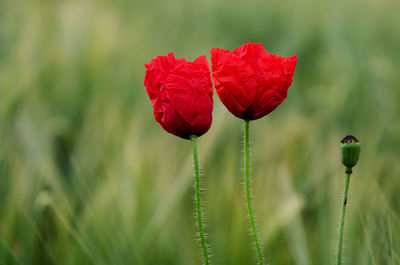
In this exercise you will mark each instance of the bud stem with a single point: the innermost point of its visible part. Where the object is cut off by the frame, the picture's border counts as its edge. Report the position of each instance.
(342, 216)
(248, 192)
(198, 200)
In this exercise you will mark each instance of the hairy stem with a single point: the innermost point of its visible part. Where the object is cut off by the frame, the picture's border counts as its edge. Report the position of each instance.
(248, 192)
(198, 200)
(342, 217)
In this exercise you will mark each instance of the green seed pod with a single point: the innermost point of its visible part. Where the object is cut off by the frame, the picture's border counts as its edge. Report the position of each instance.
(349, 151)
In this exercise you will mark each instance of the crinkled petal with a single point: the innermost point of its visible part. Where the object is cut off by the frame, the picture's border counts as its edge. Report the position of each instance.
(181, 94)
(278, 74)
(233, 80)
(250, 81)
(189, 89)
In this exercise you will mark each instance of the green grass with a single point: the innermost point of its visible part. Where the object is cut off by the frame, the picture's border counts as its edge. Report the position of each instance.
(88, 177)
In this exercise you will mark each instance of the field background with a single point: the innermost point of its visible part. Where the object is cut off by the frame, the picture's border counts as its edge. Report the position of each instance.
(88, 177)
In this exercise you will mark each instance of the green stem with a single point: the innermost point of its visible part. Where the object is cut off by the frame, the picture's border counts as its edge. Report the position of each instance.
(342, 217)
(248, 192)
(198, 200)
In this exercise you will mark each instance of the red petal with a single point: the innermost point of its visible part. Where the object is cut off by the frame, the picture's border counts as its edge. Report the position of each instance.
(233, 80)
(189, 89)
(181, 93)
(250, 81)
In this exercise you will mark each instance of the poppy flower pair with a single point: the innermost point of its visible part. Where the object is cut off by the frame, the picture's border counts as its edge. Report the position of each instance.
(249, 81)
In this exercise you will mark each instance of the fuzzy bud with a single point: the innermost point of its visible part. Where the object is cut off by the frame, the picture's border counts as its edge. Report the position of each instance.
(349, 151)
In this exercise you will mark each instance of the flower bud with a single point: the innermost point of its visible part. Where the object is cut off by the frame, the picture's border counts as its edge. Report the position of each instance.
(349, 151)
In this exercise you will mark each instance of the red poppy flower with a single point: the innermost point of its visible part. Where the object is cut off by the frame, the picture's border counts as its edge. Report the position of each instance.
(181, 93)
(250, 81)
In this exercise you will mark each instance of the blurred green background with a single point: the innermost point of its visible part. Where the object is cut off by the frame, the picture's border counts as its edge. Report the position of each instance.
(88, 177)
